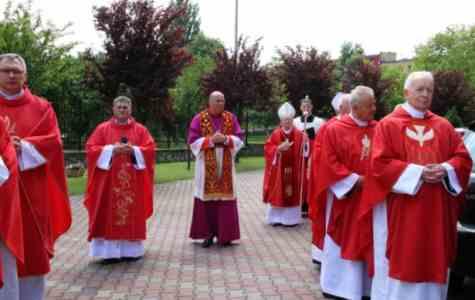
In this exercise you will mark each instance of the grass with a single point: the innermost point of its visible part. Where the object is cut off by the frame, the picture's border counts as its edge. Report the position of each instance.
(168, 172)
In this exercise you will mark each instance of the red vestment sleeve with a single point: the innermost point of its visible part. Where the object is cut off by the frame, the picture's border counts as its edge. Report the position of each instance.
(11, 225)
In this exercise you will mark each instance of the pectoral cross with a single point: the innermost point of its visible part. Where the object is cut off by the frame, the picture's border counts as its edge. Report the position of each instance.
(366, 142)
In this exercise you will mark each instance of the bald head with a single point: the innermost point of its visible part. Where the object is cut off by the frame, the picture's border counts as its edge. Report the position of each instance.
(216, 102)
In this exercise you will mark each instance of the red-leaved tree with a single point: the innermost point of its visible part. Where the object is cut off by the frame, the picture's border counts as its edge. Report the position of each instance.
(454, 98)
(143, 56)
(363, 72)
(306, 72)
(243, 81)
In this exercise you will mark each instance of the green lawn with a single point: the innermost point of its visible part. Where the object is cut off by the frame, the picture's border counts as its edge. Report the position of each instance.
(167, 172)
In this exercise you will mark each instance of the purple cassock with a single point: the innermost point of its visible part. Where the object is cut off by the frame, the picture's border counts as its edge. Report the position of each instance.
(214, 214)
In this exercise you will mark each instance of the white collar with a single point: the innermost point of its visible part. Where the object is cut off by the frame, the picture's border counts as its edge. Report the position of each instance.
(287, 131)
(417, 114)
(12, 97)
(359, 122)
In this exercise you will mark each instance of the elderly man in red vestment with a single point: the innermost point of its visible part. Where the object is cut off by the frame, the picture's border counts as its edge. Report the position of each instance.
(215, 138)
(11, 226)
(44, 200)
(342, 107)
(418, 171)
(119, 196)
(344, 159)
(283, 152)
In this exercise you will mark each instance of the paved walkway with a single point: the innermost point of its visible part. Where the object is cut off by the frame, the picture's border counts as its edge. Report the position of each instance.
(267, 263)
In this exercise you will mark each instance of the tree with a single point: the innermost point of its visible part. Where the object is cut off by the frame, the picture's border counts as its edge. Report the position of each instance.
(306, 73)
(397, 74)
(52, 72)
(348, 53)
(363, 72)
(190, 21)
(143, 57)
(454, 98)
(188, 96)
(240, 77)
(453, 49)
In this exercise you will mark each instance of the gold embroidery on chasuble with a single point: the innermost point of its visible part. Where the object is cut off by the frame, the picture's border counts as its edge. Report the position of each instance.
(419, 141)
(215, 186)
(366, 147)
(123, 194)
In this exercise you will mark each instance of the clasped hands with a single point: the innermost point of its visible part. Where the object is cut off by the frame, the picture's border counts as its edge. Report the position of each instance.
(122, 148)
(433, 173)
(218, 138)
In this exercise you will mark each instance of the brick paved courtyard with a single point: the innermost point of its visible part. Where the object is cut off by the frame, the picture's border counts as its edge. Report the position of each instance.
(267, 263)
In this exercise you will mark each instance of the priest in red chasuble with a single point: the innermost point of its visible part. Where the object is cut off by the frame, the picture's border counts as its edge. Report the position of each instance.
(341, 105)
(215, 138)
(44, 198)
(119, 196)
(344, 158)
(419, 169)
(284, 162)
(11, 225)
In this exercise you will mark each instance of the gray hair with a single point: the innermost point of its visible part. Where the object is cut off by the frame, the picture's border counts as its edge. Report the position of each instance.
(122, 99)
(13, 57)
(416, 76)
(358, 92)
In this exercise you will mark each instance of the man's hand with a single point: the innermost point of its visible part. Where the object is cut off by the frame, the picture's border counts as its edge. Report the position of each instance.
(122, 148)
(218, 138)
(16, 142)
(284, 146)
(433, 173)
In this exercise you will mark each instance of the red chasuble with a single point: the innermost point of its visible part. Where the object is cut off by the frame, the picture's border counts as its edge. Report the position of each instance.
(345, 150)
(119, 200)
(318, 221)
(422, 228)
(11, 225)
(44, 197)
(283, 171)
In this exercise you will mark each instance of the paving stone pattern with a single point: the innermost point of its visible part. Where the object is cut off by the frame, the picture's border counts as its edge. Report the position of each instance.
(267, 263)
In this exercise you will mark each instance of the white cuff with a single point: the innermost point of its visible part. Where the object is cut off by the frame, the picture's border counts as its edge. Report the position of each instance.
(4, 172)
(451, 183)
(139, 159)
(29, 157)
(195, 147)
(342, 187)
(410, 180)
(237, 144)
(104, 160)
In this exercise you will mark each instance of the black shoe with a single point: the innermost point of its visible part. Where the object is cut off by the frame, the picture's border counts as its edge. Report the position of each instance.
(110, 261)
(276, 224)
(290, 225)
(207, 243)
(330, 296)
(226, 244)
(131, 259)
(316, 262)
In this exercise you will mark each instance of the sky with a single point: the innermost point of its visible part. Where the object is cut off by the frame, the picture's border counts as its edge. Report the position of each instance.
(379, 26)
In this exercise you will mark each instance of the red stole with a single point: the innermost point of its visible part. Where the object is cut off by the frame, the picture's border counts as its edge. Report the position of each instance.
(421, 229)
(317, 217)
(282, 180)
(11, 226)
(217, 187)
(345, 150)
(45, 203)
(120, 200)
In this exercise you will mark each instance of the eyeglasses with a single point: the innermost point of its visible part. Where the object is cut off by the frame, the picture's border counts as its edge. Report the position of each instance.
(15, 72)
